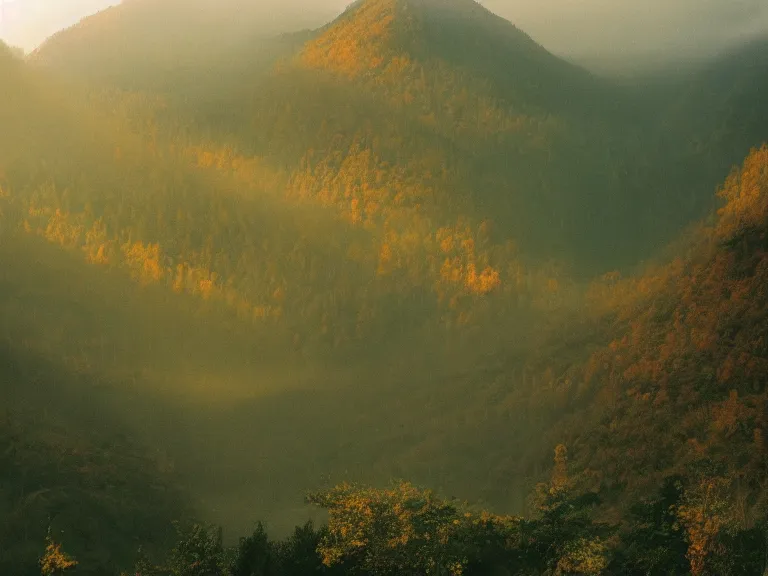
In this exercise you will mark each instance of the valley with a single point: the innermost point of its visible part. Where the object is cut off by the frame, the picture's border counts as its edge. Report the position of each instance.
(407, 244)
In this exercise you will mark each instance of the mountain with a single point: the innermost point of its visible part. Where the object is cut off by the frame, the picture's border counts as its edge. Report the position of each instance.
(719, 109)
(533, 143)
(36, 120)
(349, 192)
(66, 465)
(380, 252)
(656, 382)
(526, 137)
(541, 147)
(157, 44)
(70, 459)
(457, 33)
(666, 375)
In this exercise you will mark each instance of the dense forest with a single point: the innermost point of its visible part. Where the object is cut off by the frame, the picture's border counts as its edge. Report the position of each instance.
(304, 276)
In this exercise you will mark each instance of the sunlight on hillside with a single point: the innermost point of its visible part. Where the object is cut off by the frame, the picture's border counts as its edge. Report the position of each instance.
(361, 283)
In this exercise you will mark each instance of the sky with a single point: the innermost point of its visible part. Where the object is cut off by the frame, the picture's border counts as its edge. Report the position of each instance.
(632, 29)
(576, 28)
(27, 23)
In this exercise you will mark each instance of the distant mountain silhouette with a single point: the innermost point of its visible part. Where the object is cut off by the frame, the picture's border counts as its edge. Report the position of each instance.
(160, 43)
(385, 246)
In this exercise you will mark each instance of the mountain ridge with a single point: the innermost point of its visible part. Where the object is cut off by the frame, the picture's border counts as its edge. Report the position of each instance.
(372, 36)
(363, 241)
(136, 49)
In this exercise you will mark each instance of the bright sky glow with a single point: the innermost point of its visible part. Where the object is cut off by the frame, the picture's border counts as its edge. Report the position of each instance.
(27, 23)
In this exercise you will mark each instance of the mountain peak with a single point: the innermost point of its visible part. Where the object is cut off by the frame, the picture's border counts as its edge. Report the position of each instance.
(357, 41)
(373, 33)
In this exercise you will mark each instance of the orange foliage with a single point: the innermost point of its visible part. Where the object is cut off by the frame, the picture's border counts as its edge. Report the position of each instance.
(97, 245)
(62, 230)
(704, 513)
(144, 261)
(746, 196)
(356, 44)
(680, 365)
(485, 282)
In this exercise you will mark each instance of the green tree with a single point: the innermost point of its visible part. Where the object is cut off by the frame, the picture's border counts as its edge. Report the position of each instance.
(655, 542)
(199, 552)
(256, 555)
(565, 539)
(298, 555)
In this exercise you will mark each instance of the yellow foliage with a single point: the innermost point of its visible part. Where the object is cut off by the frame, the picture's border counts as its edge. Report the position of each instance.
(55, 561)
(205, 286)
(746, 195)
(402, 527)
(553, 285)
(560, 471)
(385, 259)
(179, 279)
(485, 282)
(252, 171)
(585, 556)
(97, 244)
(144, 261)
(704, 513)
(62, 230)
(729, 414)
(356, 44)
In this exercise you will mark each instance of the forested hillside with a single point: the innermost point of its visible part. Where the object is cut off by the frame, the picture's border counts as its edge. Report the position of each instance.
(664, 372)
(65, 464)
(659, 392)
(411, 243)
(521, 137)
(69, 458)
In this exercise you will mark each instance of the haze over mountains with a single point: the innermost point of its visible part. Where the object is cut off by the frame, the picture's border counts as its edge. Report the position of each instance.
(523, 89)
(624, 38)
(28, 23)
(620, 38)
(409, 243)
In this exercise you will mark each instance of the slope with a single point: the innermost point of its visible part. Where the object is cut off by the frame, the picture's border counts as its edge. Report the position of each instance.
(665, 374)
(163, 44)
(207, 307)
(517, 136)
(557, 158)
(718, 110)
(460, 33)
(480, 121)
(178, 209)
(383, 210)
(66, 463)
(69, 456)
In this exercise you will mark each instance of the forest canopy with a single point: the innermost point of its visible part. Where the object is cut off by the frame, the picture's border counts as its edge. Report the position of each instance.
(409, 244)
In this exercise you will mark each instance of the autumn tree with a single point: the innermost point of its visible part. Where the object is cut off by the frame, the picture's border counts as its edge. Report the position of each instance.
(55, 561)
(565, 539)
(405, 530)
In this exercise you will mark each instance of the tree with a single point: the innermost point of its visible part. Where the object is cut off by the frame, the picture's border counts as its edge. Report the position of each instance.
(408, 531)
(256, 555)
(564, 539)
(55, 561)
(199, 552)
(298, 555)
(655, 542)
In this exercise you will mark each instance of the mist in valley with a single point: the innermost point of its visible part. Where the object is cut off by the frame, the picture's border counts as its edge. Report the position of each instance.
(251, 253)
